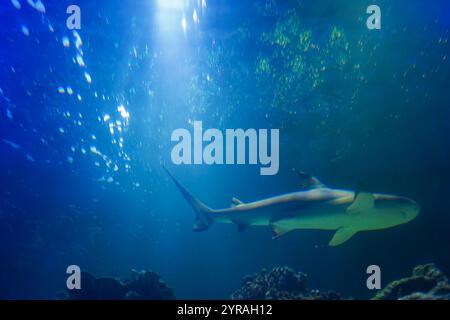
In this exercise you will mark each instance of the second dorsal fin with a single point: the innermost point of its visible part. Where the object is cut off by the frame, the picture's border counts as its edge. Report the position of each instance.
(308, 181)
(236, 202)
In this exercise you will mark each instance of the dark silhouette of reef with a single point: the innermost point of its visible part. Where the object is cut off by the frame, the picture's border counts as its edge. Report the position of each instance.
(144, 285)
(427, 282)
(281, 283)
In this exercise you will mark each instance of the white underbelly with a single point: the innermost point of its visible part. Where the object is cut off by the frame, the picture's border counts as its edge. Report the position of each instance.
(314, 220)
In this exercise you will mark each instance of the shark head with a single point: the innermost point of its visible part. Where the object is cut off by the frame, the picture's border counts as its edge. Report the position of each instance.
(411, 209)
(375, 212)
(401, 209)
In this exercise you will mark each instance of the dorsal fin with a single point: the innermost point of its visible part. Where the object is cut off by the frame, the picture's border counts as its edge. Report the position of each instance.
(363, 202)
(308, 181)
(236, 202)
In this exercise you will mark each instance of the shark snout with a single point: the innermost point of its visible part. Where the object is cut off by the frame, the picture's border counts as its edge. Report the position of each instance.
(412, 210)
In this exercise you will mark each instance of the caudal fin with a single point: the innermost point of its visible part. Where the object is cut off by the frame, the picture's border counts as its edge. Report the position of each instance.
(202, 212)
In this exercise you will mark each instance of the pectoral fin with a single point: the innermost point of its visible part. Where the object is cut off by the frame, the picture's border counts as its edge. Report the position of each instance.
(341, 235)
(363, 202)
(278, 230)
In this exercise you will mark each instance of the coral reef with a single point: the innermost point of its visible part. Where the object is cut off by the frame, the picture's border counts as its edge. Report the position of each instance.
(281, 283)
(145, 285)
(427, 282)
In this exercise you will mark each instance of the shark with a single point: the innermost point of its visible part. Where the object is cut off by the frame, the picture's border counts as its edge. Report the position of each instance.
(315, 207)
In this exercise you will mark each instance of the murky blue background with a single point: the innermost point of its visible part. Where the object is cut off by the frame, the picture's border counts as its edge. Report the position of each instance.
(86, 119)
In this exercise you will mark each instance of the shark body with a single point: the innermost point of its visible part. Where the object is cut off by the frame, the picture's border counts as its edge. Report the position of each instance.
(319, 207)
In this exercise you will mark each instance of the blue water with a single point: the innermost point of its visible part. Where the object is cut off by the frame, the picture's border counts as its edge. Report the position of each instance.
(83, 140)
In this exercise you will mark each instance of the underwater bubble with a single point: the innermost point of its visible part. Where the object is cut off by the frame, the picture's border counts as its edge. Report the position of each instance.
(183, 24)
(61, 90)
(25, 30)
(78, 41)
(50, 28)
(123, 112)
(16, 4)
(79, 97)
(61, 130)
(30, 158)
(66, 42)
(69, 159)
(195, 16)
(106, 117)
(80, 61)
(203, 4)
(9, 114)
(88, 78)
(38, 5)
(83, 150)
(110, 180)
(69, 90)
(94, 150)
(12, 144)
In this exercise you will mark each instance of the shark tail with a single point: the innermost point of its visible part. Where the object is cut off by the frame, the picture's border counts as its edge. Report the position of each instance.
(203, 219)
